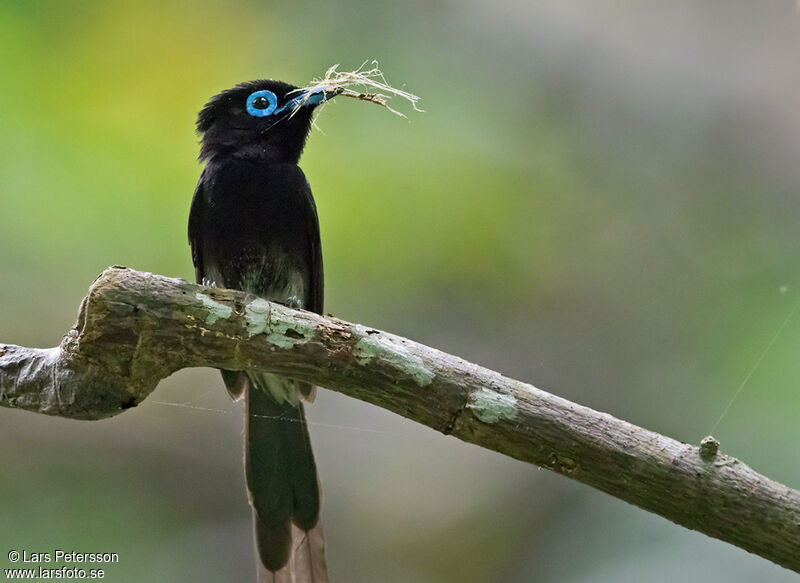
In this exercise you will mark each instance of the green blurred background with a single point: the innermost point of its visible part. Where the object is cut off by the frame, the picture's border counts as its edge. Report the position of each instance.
(601, 199)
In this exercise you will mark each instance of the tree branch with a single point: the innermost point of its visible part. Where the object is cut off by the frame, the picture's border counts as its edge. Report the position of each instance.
(135, 329)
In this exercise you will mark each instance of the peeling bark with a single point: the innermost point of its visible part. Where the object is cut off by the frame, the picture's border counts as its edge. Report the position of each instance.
(135, 328)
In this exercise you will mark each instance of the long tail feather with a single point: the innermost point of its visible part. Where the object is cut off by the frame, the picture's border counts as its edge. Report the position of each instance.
(307, 561)
(282, 484)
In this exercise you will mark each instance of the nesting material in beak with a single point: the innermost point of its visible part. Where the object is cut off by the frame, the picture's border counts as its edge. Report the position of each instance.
(337, 82)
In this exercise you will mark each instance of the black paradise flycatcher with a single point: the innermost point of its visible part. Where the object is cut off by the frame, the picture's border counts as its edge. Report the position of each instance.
(253, 226)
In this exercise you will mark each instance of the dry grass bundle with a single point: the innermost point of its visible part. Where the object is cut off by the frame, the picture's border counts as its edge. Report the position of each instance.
(372, 79)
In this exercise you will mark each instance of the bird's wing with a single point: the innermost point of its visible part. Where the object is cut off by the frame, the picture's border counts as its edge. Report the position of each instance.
(316, 291)
(235, 381)
(316, 286)
(195, 229)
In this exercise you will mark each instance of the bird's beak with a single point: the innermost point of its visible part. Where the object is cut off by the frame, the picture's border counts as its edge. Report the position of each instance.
(310, 98)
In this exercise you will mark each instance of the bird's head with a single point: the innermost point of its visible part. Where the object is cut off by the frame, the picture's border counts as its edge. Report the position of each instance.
(266, 119)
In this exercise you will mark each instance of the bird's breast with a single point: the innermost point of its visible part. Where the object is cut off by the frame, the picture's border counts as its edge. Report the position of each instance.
(256, 235)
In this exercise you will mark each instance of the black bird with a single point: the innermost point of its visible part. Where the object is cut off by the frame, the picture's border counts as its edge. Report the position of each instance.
(253, 226)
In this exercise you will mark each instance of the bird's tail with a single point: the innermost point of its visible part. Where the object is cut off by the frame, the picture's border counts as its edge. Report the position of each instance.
(282, 484)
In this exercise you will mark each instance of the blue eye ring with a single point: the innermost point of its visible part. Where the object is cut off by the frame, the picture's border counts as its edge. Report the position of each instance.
(271, 98)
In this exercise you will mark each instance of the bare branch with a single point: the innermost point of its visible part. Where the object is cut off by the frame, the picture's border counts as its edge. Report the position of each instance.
(135, 329)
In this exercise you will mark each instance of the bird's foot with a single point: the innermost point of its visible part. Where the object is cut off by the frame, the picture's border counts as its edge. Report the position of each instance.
(293, 302)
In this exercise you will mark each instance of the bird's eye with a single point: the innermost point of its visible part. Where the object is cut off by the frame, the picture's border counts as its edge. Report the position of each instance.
(261, 103)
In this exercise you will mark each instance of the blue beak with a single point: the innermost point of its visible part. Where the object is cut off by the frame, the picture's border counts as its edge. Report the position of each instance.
(313, 97)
